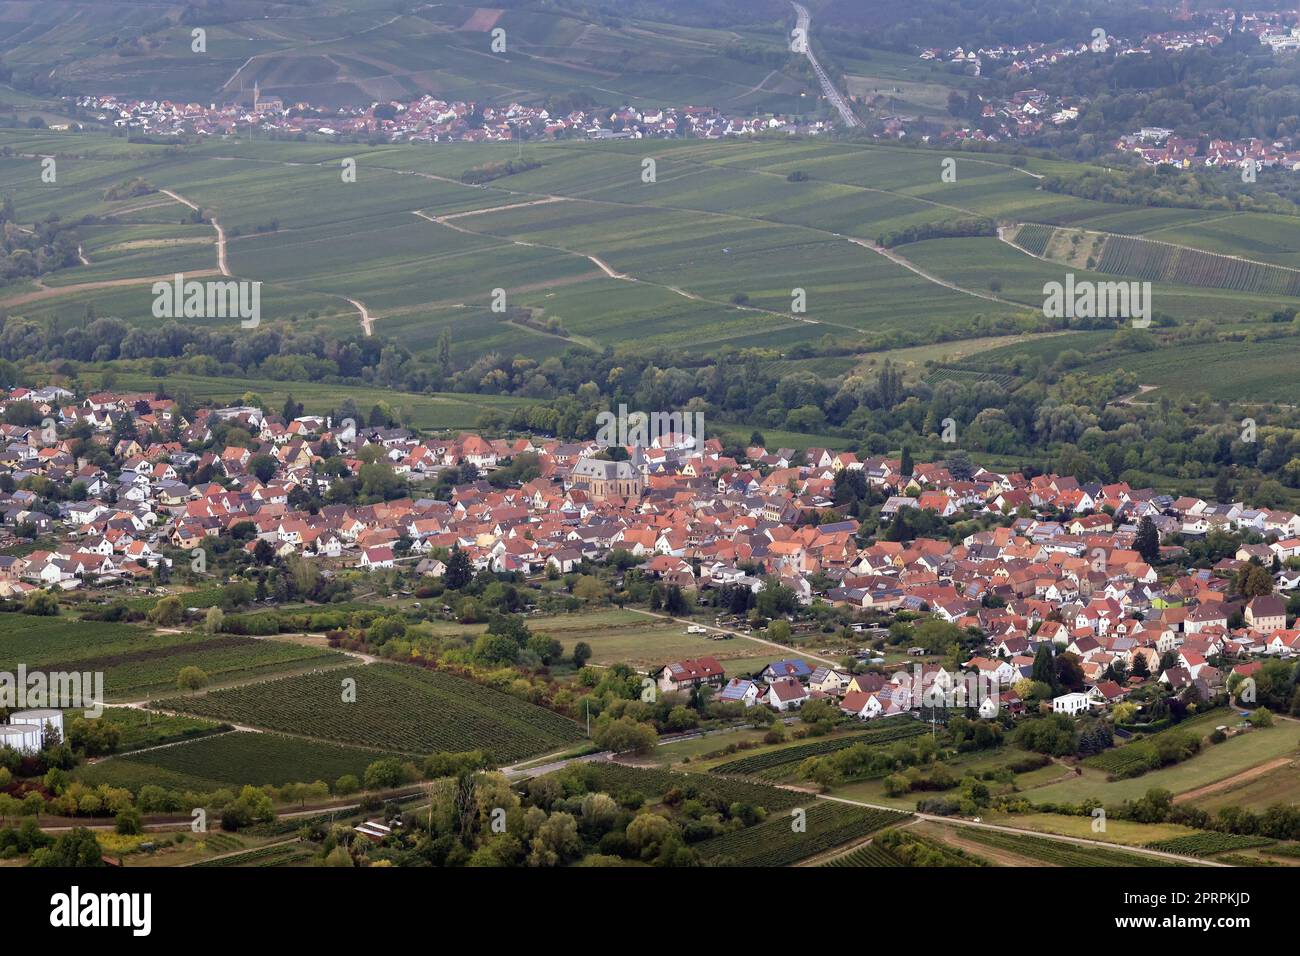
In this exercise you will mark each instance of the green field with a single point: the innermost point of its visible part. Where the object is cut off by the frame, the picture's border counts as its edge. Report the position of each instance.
(1214, 762)
(778, 841)
(706, 257)
(231, 760)
(403, 709)
(136, 661)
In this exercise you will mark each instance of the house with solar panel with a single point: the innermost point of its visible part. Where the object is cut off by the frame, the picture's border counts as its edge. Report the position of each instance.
(779, 670)
(739, 691)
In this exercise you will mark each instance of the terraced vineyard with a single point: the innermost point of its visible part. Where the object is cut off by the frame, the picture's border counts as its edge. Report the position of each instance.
(1059, 852)
(776, 843)
(402, 709)
(776, 763)
(1210, 843)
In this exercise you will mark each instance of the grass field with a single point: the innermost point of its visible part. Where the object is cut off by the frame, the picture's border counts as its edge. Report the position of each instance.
(618, 636)
(1213, 763)
(403, 709)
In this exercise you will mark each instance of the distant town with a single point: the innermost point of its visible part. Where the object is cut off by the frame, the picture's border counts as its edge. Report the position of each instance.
(429, 120)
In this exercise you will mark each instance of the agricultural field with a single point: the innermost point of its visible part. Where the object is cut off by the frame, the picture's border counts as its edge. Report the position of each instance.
(1256, 789)
(1246, 372)
(775, 842)
(276, 854)
(780, 762)
(643, 642)
(706, 256)
(231, 760)
(136, 661)
(650, 784)
(1209, 843)
(402, 709)
(1049, 852)
(1236, 755)
(869, 854)
(142, 728)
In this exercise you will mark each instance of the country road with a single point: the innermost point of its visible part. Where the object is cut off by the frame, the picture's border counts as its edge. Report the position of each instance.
(804, 23)
(221, 233)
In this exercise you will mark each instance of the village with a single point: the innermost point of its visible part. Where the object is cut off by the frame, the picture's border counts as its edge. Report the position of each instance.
(427, 120)
(1062, 564)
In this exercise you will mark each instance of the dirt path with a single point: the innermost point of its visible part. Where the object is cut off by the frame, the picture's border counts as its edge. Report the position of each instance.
(895, 258)
(749, 637)
(221, 233)
(49, 292)
(1228, 783)
(366, 318)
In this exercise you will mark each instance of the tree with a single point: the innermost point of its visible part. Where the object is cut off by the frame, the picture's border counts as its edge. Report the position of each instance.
(581, 654)
(1044, 670)
(1147, 542)
(167, 613)
(213, 620)
(1254, 580)
(459, 571)
(624, 734)
(191, 678)
(262, 467)
(906, 466)
(1140, 666)
(41, 604)
(78, 848)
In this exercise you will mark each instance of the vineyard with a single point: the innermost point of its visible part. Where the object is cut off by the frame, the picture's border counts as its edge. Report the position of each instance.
(773, 764)
(277, 854)
(1154, 261)
(233, 759)
(135, 661)
(906, 848)
(869, 854)
(1033, 238)
(1058, 852)
(402, 709)
(1209, 843)
(616, 779)
(776, 841)
(1147, 259)
(962, 375)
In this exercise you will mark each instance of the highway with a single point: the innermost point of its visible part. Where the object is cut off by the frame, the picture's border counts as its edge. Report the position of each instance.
(804, 23)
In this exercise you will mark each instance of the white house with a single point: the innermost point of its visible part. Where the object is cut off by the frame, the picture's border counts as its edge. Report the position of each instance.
(1072, 704)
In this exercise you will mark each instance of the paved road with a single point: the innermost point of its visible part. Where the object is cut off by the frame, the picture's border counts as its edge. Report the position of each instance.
(829, 91)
